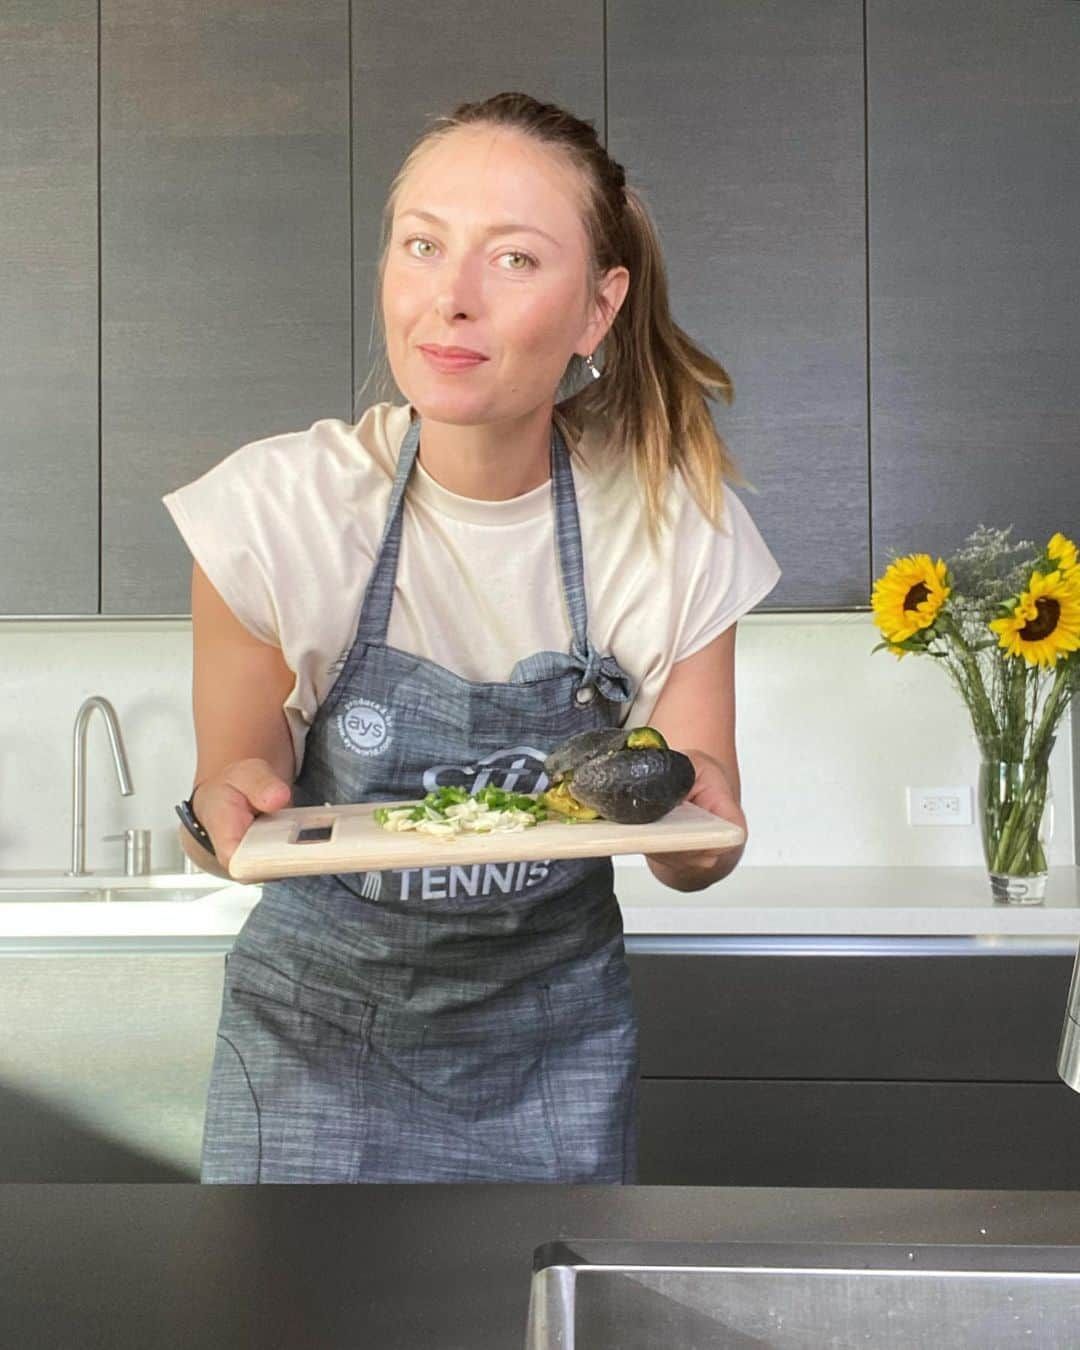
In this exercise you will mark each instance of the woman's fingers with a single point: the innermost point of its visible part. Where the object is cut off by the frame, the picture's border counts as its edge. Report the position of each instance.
(230, 800)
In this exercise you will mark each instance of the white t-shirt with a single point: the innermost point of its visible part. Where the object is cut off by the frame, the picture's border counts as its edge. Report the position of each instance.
(287, 528)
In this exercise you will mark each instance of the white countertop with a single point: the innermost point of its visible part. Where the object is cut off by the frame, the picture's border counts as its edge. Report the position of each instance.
(814, 901)
(834, 902)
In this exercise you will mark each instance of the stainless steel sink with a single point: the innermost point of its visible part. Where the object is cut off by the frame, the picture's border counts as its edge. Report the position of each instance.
(179, 893)
(600, 1295)
(154, 886)
(49, 895)
(46, 895)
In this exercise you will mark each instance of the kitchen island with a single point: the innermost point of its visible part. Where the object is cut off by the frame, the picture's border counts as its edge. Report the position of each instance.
(420, 1267)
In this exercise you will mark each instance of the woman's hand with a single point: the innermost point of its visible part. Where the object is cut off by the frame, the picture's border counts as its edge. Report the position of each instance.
(227, 803)
(693, 871)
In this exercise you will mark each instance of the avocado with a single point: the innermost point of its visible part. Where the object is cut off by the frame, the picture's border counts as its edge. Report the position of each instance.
(629, 786)
(645, 738)
(559, 799)
(634, 787)
(568, 754)
(625, 774)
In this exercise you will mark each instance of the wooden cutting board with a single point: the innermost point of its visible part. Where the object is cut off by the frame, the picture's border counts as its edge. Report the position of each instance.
(299, 840)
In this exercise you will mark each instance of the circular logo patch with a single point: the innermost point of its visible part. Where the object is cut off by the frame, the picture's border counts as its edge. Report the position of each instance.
(365, 727)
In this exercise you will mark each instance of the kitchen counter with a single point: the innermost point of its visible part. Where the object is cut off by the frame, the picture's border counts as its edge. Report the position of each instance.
(418, 1267)
(752, 904)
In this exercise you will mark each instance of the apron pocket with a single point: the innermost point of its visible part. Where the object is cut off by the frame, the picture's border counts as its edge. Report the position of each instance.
(256, 984)
(288, 1098)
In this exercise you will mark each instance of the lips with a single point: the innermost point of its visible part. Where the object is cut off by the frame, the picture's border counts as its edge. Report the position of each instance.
(452, 353)
(443, 360)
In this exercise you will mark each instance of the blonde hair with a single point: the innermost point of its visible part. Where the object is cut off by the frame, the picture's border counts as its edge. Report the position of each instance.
(651, 397)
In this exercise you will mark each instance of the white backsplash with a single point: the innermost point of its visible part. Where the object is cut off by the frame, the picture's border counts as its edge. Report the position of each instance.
(829, 737)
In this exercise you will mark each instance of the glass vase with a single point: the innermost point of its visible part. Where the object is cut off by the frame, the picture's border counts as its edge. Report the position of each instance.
(1016, 816)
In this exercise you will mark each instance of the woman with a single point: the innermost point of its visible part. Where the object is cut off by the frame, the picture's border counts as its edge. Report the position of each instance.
(451, 1023)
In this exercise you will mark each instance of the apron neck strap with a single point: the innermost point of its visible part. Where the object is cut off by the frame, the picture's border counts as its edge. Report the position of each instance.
(378, 597)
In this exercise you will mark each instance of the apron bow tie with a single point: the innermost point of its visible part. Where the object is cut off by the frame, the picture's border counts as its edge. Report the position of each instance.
(602, 671)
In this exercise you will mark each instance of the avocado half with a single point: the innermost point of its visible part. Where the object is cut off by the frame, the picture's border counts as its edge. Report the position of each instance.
(628, 776)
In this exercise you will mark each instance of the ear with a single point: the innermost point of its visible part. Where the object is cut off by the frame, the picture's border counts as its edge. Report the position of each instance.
(613, 289)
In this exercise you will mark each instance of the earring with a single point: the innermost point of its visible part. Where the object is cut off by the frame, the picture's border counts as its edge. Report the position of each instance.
(592, 368)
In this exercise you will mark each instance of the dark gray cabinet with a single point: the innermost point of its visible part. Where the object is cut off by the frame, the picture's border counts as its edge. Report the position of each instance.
(49, 311)
(225, 257)
(248, 150)
(773, 1070)
(743, 123)
(905, 1071)
(413, 61)
(867, 211)
(973, 141)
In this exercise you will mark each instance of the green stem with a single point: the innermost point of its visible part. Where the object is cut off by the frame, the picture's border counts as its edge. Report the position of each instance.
(1012, 815)
(1026, 834)
(1022, 815)
(985, 722)
(1052, 709)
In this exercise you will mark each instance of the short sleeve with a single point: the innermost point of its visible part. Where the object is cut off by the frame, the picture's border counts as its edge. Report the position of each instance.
(732, 571)
(219, 516)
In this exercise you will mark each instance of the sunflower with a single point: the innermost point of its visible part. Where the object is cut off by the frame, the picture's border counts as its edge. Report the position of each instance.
(1044, 623)
(908, 597)
(1062, 553)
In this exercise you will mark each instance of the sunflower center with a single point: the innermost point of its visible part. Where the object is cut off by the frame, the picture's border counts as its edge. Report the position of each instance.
(916, 595)
(1047, 611)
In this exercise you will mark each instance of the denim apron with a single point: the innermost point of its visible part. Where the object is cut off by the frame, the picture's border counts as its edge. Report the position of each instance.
(443, 1023)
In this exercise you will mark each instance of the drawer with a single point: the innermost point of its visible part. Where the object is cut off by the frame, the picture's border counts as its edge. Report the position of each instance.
(968, 1018)
(951, 1135)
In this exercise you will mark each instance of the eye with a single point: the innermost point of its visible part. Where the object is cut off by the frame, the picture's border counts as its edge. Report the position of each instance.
(517, 253)
(514, 253)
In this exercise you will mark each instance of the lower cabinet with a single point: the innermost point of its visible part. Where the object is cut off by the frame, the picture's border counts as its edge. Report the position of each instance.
(707, 1132)
(104, 1063)
(756, 1070)
(898, 1071)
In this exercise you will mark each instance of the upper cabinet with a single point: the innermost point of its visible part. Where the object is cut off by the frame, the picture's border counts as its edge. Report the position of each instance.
(974, 173)
(49, 309)
(225, 256)
(248, 148)
(414, 61)
(868, 214)
(743, 125)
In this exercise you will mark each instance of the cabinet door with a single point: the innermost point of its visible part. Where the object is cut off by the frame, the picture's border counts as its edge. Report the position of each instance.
(707, 1132)
(225, 256)
(243, 184)
(743, 123)
(48, 322)
(413, 61)
(974, 191)
(104, 1064)
(964, 1018)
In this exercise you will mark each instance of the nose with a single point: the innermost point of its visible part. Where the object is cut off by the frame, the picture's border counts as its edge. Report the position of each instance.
(459, 287)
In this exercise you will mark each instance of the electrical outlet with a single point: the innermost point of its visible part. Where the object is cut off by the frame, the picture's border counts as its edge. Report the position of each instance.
(939, 805)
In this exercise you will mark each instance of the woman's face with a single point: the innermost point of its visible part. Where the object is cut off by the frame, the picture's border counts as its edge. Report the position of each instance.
(518, 296)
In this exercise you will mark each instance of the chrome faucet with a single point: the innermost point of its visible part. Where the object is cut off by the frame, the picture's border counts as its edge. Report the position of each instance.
(78, 792)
